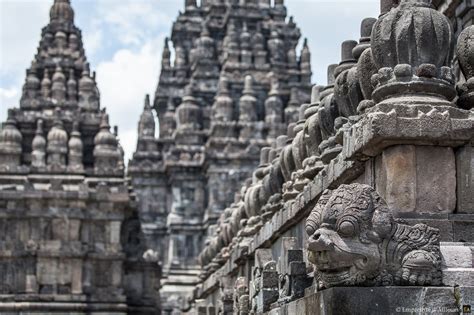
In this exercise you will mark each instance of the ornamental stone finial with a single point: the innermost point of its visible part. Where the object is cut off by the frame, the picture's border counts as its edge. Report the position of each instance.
(38, 153)
(465, 53)
(10, 143)
(365, 32)
(57, 142)
(248, 101)
(189, 113)
(46, 85)
(146, 125)
(419, 40)
(72, 87)
(61, 11)
(75, 150)
(59, 86)
(347, 90)
(223, 108)
(347, 59)
(106, 155)
(166, 56)
(273, 104)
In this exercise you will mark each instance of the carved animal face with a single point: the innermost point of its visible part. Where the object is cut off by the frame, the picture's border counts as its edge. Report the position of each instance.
(345, 228)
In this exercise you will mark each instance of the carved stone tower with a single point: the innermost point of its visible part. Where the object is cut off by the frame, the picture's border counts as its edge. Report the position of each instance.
(235, 73)
(70, 240)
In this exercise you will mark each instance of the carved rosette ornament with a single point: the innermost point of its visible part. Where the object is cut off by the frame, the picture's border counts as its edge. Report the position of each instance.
(412, 49)
(465, 54)
(355, 241)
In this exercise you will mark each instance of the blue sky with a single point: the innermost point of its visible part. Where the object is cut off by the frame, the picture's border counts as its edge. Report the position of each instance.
(124, 40)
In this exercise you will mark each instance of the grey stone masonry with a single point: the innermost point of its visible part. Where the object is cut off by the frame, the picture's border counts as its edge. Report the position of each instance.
(365, 206)
(235, 85)
(70, 238)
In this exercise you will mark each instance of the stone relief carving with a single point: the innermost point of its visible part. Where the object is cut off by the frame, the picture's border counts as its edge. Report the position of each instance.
(355, 241)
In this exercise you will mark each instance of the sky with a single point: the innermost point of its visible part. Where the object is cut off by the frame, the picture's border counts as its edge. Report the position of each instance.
(124, 39)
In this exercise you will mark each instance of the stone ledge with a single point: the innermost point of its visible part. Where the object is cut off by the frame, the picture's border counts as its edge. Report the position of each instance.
(380, 300)
(46, 308)
(427, 125)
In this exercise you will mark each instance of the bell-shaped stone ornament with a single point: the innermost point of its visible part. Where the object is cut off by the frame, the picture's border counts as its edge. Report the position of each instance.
(465, 54)
(412, 49)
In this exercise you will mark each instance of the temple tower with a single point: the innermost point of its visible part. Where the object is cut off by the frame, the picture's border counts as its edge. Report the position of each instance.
(218, 104)
(69, 231)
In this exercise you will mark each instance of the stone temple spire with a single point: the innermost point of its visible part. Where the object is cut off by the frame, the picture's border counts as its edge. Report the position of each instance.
(146, 126)
(166, 57)
(305, 62)
(54, 149)
(61, 11)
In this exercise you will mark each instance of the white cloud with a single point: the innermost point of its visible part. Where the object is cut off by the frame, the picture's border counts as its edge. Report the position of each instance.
(133, 21)
(133, 32)
(20, 33)
(19, 37)
(9, 98)
(93, 41)
(327, 24)
(123, 83)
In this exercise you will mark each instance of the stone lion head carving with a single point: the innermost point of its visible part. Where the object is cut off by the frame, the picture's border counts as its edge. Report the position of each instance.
(354, 240)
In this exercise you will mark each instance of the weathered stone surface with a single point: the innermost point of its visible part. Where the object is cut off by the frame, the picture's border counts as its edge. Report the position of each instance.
(465, 179)
(385, 126)
(387, 300)
(410, 180)
(65, 238)
(465, 53)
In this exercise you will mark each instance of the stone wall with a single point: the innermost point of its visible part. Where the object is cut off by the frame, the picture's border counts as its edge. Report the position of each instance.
(367, 206)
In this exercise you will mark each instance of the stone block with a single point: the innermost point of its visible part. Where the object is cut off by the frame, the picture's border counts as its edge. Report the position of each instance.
(455, 255)
(463, 231)
(458, 277)
(76, 276)
(47, 271)
(74, 229)
(115, 232)
(60, 229)
(116, 271)
(31, 284)
(64, 272)
(418, 179)
(382, 300)
(465, 179)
